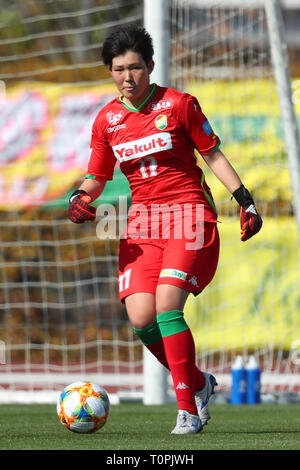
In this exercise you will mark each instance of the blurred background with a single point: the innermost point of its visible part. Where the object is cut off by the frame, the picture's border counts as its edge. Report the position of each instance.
(60, 315)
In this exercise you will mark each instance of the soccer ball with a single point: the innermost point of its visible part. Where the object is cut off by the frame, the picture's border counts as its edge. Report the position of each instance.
(83, 407)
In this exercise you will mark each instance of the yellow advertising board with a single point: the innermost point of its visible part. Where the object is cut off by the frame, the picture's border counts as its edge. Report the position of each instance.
(45, 140)
(46, 128)
(254, 298)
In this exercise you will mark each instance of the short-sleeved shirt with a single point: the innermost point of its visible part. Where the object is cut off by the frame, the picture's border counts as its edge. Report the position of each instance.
(155, 147)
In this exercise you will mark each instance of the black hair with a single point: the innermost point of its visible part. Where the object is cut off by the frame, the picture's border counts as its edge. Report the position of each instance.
(127, 38)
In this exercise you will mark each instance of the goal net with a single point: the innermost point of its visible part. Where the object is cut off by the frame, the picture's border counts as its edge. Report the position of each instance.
(221, 54)
(60, 315)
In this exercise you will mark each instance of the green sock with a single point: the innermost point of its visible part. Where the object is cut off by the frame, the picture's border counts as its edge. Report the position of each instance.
(151, 338)
(180, 354)
(150, 334)
(171, 322)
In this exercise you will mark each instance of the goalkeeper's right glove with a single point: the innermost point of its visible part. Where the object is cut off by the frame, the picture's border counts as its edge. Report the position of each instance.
(250, 220)
(80, 210)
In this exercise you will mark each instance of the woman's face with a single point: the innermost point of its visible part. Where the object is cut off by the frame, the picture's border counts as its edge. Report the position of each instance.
(131, 75)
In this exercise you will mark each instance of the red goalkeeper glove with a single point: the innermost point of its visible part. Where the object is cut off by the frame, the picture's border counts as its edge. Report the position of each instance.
(250, 220)
(80, 210)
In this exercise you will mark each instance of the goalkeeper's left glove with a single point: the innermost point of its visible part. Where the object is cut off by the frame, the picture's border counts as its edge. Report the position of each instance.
(250, 220)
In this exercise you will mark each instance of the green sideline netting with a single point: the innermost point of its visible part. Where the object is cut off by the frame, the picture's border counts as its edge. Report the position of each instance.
(118, 187)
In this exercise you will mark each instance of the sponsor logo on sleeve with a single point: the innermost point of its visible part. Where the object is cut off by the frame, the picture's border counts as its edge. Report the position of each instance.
(207, 128)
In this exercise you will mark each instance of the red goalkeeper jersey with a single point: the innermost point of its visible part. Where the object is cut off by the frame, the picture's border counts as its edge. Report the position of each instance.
(155, 147)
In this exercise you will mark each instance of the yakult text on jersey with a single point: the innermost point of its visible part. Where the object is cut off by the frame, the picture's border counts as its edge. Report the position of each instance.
(141, 147)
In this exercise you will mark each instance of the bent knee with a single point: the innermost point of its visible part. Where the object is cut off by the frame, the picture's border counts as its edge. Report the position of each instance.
(170, 297)
(141, 310)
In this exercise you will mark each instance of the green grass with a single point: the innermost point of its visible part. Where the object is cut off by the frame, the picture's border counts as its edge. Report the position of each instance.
(133, 426)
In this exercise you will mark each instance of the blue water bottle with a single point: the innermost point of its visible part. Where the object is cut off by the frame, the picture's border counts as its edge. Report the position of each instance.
(253, 381)
(239, 382)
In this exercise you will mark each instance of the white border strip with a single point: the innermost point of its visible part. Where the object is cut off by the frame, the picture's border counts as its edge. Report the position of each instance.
(251, 4)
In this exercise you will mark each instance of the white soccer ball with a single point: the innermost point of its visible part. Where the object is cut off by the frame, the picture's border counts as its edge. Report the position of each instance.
(83, 407)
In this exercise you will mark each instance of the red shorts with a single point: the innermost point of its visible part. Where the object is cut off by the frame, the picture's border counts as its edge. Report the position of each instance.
(144, 264)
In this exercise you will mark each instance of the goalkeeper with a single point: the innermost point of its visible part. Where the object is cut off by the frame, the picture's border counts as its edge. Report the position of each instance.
(153, 132)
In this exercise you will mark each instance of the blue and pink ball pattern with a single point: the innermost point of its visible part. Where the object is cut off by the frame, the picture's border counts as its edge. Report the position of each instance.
(83, 407)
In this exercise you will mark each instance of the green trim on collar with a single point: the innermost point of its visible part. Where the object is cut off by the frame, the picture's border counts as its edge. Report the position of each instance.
(136, 110)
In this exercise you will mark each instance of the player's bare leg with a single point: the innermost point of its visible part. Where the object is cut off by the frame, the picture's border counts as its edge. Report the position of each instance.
(141, 309)
(170, 297)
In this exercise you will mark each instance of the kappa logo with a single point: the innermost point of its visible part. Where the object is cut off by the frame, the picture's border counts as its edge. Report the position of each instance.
(193, 281)
(113, 118)
(182, 386)
(141, 147)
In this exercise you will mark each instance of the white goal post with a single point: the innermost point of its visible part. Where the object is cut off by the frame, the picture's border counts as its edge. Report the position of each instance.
(156, 20)
(285, 94)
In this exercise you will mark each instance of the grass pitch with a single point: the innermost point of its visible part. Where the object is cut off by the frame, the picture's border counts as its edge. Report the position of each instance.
(132, 426)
